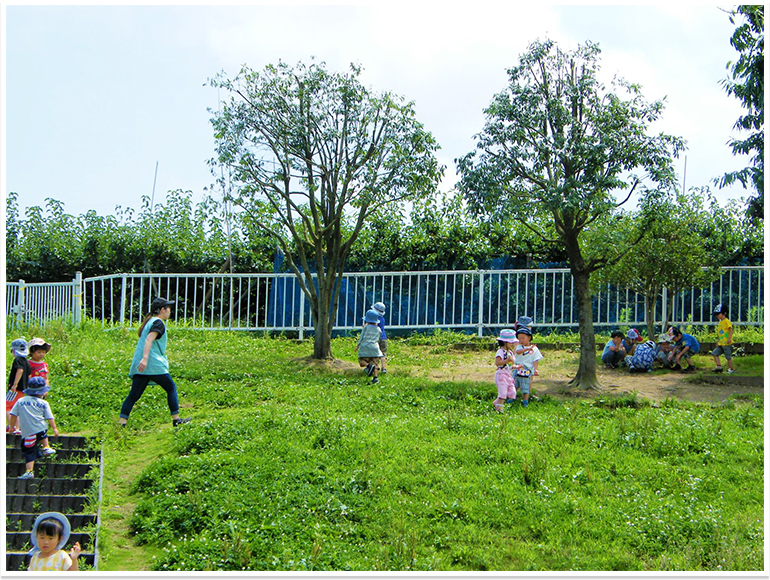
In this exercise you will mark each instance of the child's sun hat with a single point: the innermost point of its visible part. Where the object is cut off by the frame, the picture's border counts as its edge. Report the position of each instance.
(379, 307)
(65, 533)
(663, 337)
(36, 387)
(40, 343)
(633, 334)
(372, 316)
(20, 347)
(507, 335)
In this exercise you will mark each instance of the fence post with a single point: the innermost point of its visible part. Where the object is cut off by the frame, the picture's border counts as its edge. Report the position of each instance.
(77, 297)
(20, 304)
(123, 283)
(481, 302)
(301, 314)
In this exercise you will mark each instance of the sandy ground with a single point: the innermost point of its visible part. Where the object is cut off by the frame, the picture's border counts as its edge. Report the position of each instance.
(656, 386)
(661, 384)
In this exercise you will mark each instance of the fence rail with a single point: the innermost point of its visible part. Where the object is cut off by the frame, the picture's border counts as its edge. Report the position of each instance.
(481, 301)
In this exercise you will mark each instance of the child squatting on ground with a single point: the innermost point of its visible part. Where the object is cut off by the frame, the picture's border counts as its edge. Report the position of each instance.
(368, 347)
(504, 360)
(685, 345)
(725, 340)
(50, 534)
(17, 381)
(33, 412)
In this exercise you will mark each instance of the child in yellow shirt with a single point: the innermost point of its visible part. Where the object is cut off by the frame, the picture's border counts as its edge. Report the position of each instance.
(725, 340)
(50, 533)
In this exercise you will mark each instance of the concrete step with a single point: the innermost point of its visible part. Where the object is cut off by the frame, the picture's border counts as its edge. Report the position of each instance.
(60, 442)
(47, 486)
(15, 455)
(65, 504)
(18, 522)
(54, 470)
(20, 541)
(17, 561)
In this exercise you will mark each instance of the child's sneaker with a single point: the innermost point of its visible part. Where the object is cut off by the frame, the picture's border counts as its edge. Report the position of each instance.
(524, 403)
(369, 369)
(375, 380)
(383, 371)
(730, 371)
(27, 475)
(717, 370)
(48, 451)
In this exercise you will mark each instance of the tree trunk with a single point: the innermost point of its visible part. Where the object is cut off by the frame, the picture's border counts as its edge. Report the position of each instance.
(322, 325)
(586, 373)
(649, 316)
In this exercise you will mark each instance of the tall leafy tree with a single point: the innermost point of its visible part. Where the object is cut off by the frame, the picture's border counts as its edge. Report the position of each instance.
(558, 143)
(310, 154)
(747, 84)
(670, 253)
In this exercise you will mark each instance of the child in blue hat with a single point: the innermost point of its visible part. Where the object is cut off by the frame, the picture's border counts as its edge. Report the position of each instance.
(49, 535)
(368, 347)
(32, 412)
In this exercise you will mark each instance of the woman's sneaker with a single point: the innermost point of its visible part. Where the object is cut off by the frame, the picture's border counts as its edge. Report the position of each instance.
(177, 422)
(27, 475)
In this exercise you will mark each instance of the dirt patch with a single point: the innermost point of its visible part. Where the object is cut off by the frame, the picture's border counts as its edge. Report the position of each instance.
(655, 386)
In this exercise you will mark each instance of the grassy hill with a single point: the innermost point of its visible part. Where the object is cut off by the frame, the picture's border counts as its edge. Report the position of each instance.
(295, 466)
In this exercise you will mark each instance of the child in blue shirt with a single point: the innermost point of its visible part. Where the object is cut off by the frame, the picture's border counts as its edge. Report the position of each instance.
(685, 345)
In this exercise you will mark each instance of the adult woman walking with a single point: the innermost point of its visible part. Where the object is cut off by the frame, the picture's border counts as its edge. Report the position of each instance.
(150, 363)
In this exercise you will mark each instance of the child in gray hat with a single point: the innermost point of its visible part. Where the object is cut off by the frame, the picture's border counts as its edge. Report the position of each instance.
(33, 412)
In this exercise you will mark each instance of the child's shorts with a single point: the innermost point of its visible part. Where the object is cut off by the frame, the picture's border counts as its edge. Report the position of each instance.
(11, 398)
(30, 448)
(726, 349)
(522, 384)
(370, 360)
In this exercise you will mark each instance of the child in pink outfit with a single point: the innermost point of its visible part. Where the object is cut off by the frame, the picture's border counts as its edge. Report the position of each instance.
(504, 359)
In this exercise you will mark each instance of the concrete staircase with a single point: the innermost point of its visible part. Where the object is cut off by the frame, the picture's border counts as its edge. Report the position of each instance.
(68, 482)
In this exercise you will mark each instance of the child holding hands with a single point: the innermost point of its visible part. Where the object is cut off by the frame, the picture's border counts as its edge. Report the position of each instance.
(504, 359)
(33, 412)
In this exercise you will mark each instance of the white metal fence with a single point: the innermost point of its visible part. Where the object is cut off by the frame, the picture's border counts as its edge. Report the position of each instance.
(39, 303)
(480, 301)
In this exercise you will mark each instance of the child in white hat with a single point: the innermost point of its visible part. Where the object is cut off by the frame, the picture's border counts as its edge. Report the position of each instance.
(504, 360)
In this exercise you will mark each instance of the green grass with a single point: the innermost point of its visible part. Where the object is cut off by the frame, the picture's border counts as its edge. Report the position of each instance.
(293, 467)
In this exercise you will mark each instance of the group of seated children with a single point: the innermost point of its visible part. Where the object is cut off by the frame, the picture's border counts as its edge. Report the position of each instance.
(672, 349)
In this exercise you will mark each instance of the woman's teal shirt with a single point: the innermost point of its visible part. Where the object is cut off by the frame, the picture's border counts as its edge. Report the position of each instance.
(157, 363)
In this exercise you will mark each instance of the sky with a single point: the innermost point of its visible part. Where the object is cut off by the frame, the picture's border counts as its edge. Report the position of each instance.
(94, 97)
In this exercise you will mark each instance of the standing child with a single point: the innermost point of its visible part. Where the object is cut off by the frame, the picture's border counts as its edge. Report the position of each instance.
(17, 381)
(725, 341)
(49, 535)
(527, 356)
(504, 359)
(33, 412)
(368, 347)
(38, 348)
(380, 308)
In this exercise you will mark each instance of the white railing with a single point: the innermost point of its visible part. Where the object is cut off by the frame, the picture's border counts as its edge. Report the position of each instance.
(476, 300)
(38, 303)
